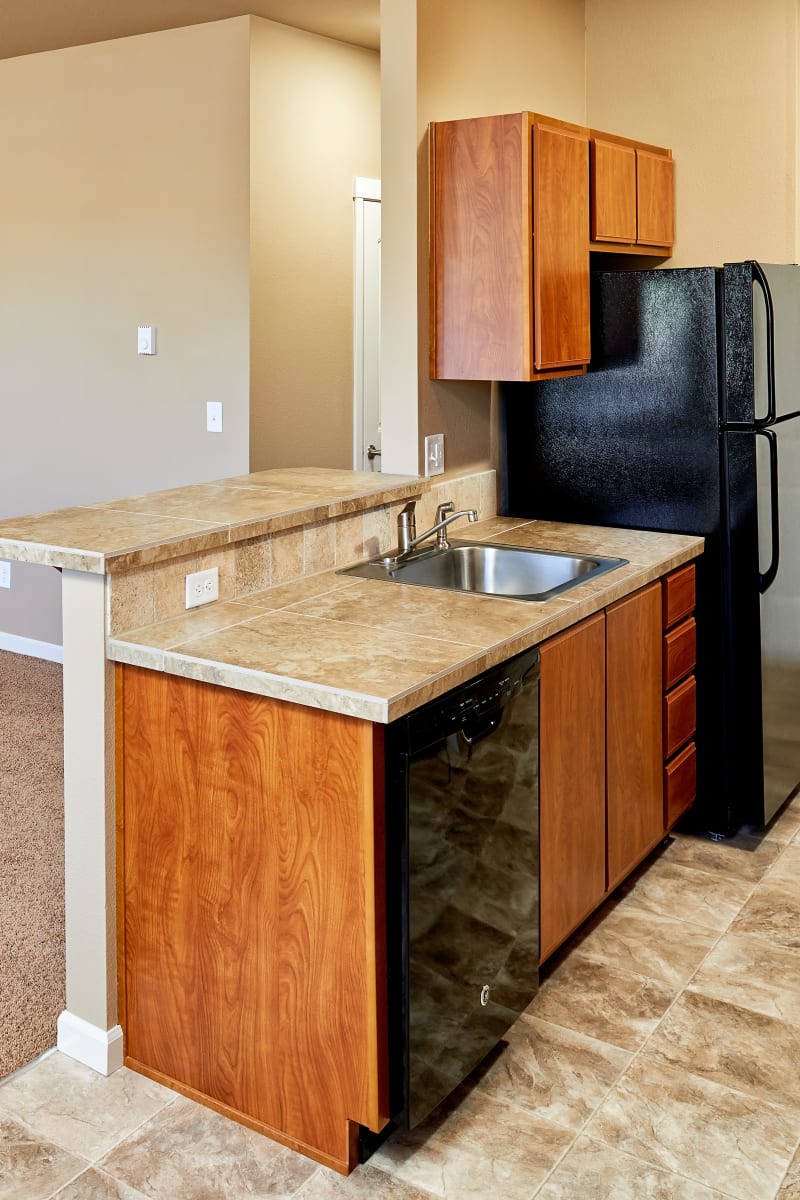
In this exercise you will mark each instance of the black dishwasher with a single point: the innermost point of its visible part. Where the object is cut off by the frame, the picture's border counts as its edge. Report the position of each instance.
(462, 879)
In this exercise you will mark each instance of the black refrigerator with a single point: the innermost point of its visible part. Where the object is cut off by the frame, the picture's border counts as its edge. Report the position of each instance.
(688, 421)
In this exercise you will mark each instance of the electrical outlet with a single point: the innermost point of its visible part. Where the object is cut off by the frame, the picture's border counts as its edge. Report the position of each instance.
(5, 574)
(202, 587)
(214, 416)
(434, 454)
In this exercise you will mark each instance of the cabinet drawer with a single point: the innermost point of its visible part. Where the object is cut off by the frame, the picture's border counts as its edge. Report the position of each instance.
(680, 784)
(679, 715)
(679, 652)
(678, 595)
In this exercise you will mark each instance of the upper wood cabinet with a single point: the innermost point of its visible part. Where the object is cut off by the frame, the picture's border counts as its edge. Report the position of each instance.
(509, 248)
(632, 188)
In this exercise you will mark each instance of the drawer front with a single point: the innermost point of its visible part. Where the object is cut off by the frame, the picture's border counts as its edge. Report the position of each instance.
(680, 784)
(679, 652)
(679, 715)
(679, 595)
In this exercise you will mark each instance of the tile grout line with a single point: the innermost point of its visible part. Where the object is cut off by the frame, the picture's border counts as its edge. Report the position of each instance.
(585, 1130)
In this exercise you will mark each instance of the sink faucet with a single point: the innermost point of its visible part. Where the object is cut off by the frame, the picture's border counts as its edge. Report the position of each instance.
(407, 526)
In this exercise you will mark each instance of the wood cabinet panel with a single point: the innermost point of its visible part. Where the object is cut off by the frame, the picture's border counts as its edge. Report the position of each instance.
(680, 784)
(481, 249)
(572, 779)
(613, 192)
(680, 712)
(679, 595)
(251, 860)
(635, 817)
(679, 652)
(562, 334)
(655, 198)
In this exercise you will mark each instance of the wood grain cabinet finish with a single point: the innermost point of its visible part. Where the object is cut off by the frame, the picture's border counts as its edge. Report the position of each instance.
(633, 203)
(509, 271)
(679, 595)
(601, 802)
(680, 692)
(679, 652)
(613, 184)
(572, 802)
(635, 816)
(251, 908)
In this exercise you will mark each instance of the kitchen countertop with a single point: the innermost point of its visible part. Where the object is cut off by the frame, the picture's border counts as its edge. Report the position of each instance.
(139, 530)
(375, 649)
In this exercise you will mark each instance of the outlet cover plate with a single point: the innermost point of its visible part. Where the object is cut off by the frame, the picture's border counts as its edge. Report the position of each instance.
(202, 587)
(434, 454)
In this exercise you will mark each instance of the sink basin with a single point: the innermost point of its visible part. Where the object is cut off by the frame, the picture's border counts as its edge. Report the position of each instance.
(490, 569)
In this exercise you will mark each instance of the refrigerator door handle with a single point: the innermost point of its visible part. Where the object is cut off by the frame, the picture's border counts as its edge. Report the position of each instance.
(760, 278)
(766, 579)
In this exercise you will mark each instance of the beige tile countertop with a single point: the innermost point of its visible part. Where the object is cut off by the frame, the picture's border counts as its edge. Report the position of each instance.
(376, 649)
(120, 534)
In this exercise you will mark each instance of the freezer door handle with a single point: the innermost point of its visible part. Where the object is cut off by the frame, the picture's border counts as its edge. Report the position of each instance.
(766, 579)
(760, 278)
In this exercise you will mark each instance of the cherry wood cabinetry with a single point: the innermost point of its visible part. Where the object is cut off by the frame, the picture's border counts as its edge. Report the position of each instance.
(679, 704)
(572, 783)
(251, 908)
(633, 196)
(601, 807)
(635, 816)
(509, 248)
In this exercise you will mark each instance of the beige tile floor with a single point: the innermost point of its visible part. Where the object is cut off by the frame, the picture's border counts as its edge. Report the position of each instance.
(660, 1061)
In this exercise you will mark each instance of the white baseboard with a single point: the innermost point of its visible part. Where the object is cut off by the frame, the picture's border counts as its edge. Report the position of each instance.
(100, 1049)
(31, 647)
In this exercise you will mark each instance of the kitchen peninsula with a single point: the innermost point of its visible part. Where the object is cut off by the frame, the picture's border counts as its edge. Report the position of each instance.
(279, 690)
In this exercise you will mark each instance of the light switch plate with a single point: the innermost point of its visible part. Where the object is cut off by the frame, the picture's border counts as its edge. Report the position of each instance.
(5, 574)
(434, 454)
(146, 339)
(214, 416)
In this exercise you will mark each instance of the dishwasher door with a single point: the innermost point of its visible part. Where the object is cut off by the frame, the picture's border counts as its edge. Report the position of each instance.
(471, 910)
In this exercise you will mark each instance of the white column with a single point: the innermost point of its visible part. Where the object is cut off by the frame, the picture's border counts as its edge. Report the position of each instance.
(88, 1029)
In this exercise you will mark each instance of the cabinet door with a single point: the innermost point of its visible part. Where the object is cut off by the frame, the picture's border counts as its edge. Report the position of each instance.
(251, 897)
(571, 779)
(480, 249)
(560, 247)
(613, 177)
(635, 758)
(656, 199)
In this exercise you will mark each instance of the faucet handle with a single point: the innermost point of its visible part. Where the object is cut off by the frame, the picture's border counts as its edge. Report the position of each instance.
(406, 525)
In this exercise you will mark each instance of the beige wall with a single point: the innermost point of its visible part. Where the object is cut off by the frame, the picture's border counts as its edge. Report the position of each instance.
(314, 126)
(718, 83)
(475, 59)
(124, 201)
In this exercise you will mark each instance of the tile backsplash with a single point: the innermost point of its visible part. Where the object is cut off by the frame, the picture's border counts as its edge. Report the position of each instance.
(156, 593)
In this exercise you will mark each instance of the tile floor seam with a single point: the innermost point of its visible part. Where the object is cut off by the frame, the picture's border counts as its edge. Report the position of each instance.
(167, 1104)
(38, 1136)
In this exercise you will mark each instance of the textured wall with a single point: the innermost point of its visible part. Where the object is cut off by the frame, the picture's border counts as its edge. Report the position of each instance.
(718, 83)
(125, 201)
(315, 125)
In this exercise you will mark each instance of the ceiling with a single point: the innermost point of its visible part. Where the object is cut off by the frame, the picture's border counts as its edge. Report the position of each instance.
(28, 26)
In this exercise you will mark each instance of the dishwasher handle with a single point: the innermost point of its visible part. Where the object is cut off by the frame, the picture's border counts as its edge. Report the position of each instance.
(474, 732)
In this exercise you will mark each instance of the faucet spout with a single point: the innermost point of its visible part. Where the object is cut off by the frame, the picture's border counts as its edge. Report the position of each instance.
(407, 539)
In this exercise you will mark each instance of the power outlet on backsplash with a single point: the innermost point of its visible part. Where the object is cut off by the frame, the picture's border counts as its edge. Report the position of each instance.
(202, 587)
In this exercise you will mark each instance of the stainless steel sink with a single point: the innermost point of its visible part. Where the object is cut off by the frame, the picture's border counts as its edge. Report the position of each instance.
(489, 569)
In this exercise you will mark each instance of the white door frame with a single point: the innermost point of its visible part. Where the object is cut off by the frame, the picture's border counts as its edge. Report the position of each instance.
(364, 191)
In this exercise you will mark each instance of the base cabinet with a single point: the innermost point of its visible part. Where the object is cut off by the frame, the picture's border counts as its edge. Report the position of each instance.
(601, 807)
(251, 908)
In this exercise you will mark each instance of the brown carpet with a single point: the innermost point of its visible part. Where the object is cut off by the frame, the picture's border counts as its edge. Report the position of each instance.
(32, 965)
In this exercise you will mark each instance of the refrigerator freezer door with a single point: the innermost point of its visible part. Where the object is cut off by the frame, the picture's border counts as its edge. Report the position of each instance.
(780, 619)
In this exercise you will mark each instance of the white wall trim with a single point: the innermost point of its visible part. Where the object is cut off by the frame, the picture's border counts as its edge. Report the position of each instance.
(100, 1049)
(31, 647)
(366, 189)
